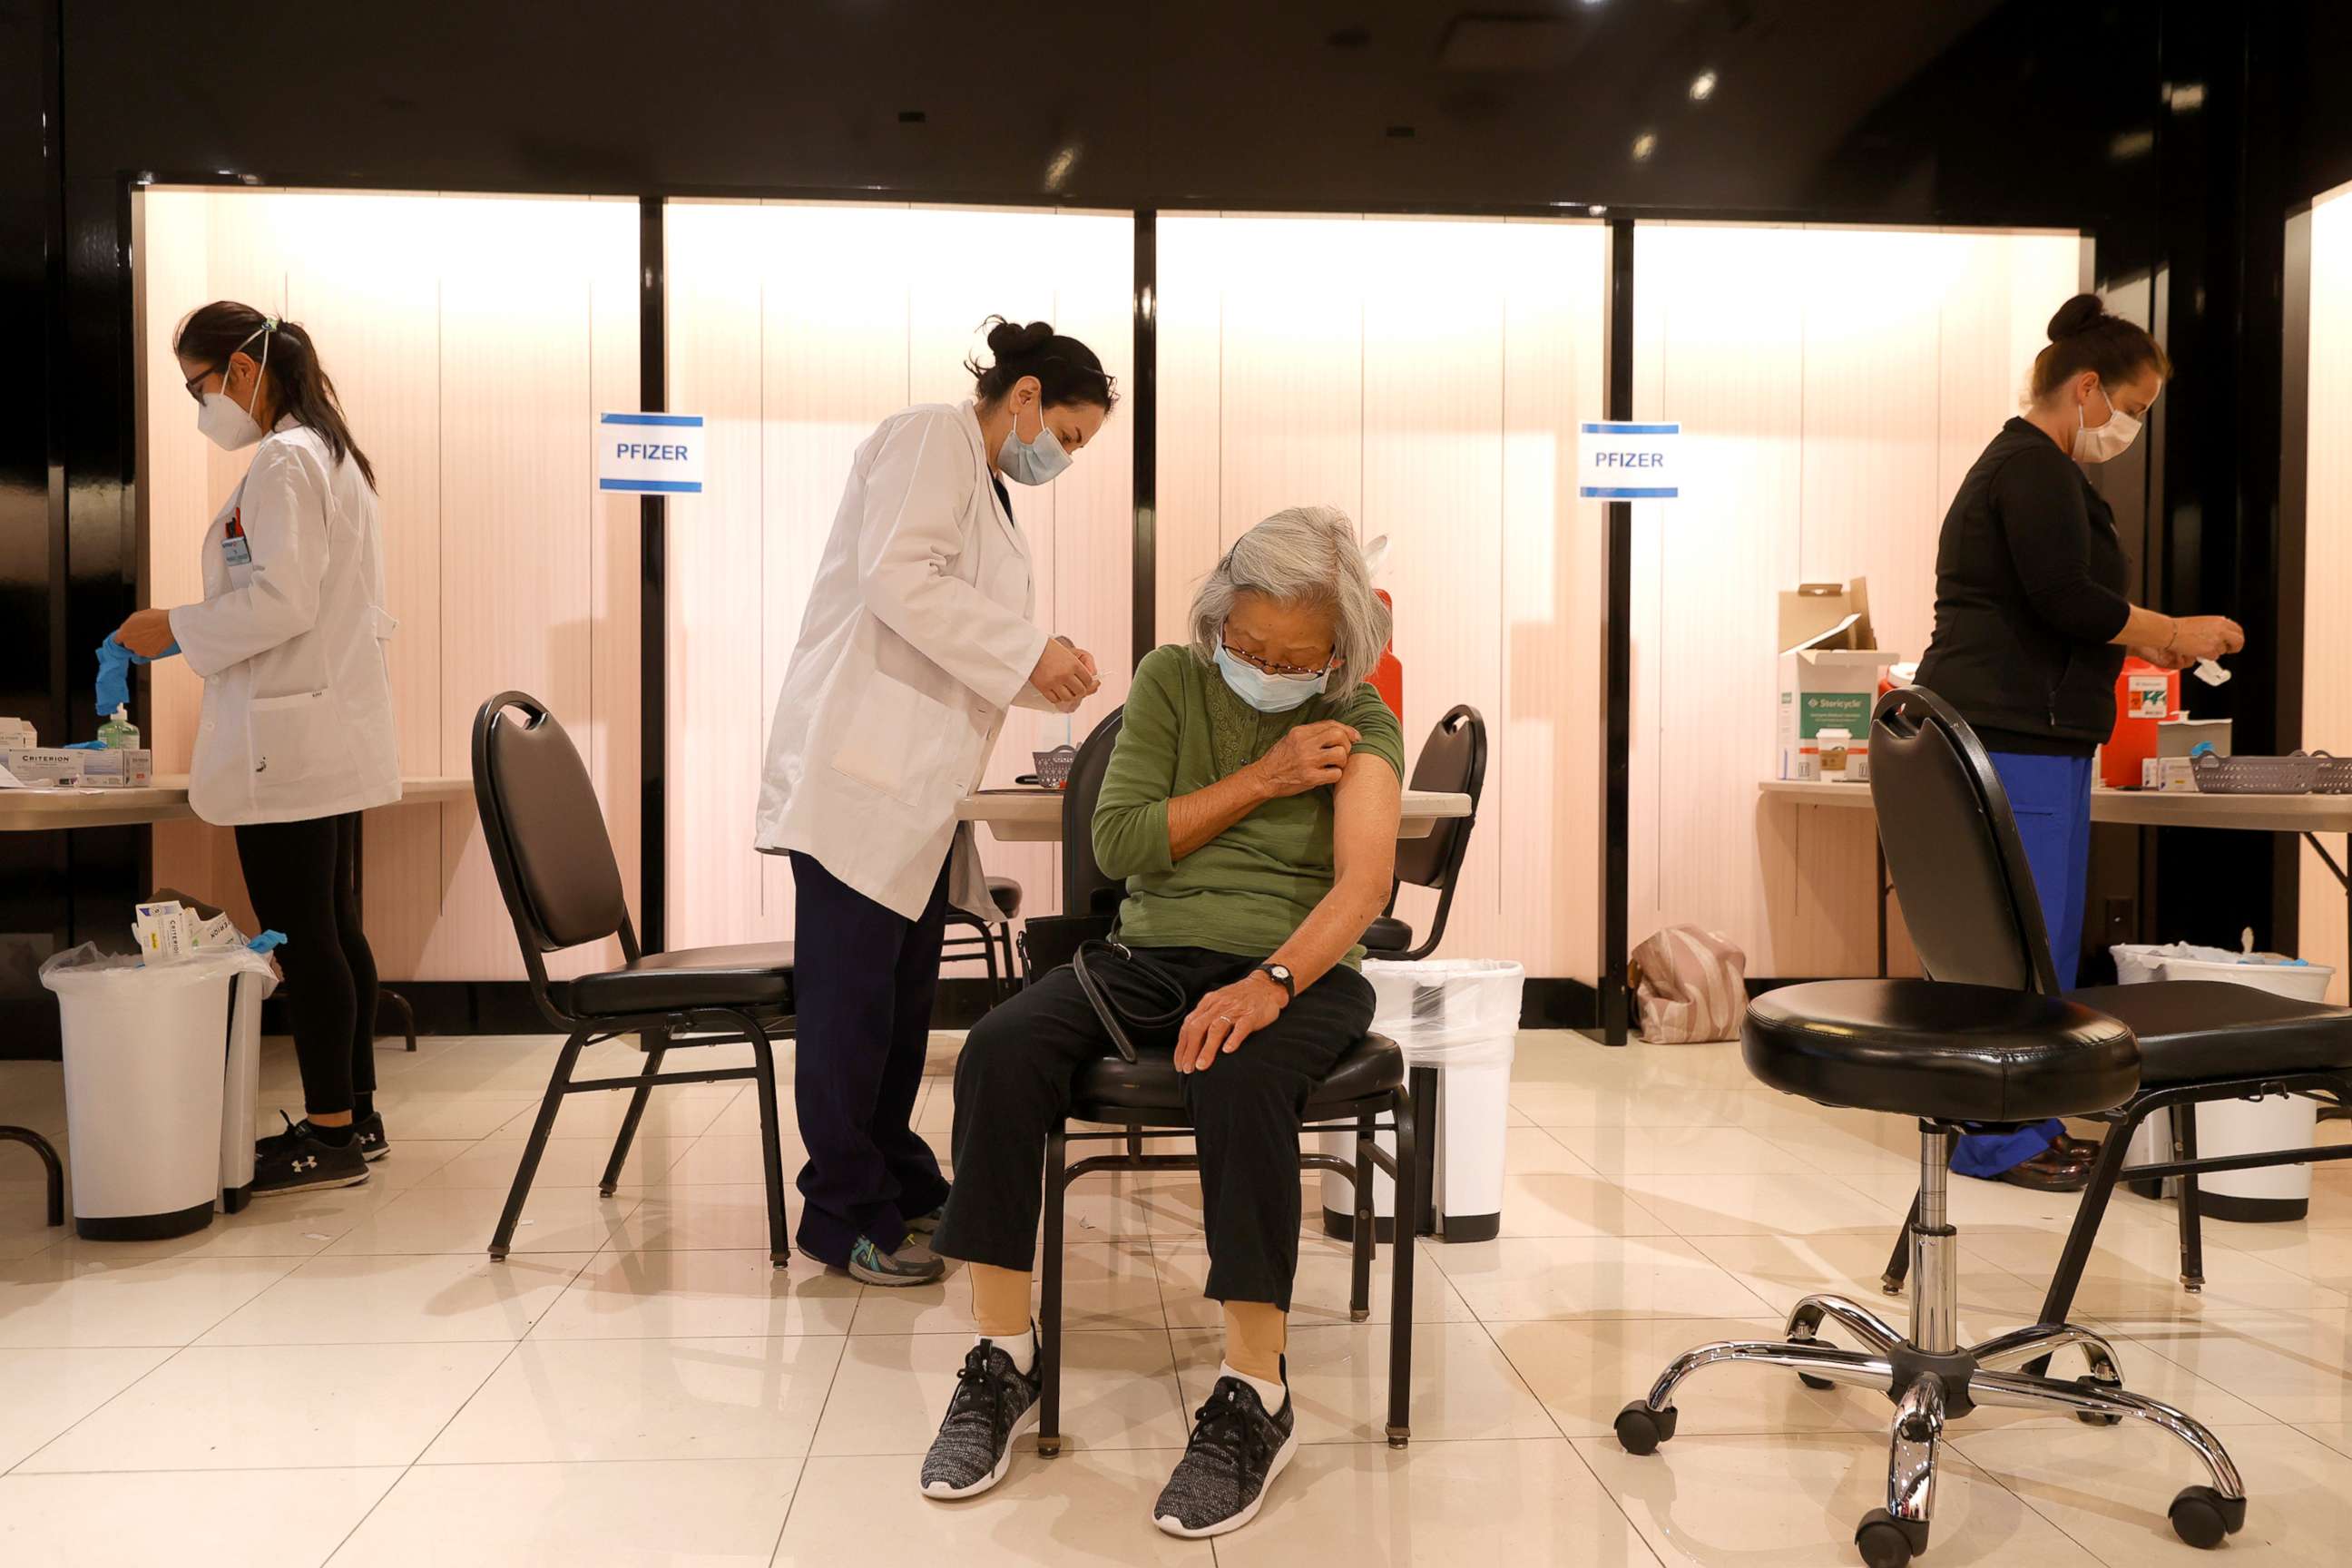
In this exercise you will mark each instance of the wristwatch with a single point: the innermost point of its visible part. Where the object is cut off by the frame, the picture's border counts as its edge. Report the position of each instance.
(1282, 977)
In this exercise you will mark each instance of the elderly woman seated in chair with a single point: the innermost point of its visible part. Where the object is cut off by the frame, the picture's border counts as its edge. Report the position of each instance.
(1250, 808)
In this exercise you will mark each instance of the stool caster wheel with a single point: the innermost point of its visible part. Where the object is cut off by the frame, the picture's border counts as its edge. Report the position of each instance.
(2203, 1516)
(604, 1189)
(779, 1259)
(497, 1254)
(1049, 1448)
(1887, 1541)
(1640, 1429)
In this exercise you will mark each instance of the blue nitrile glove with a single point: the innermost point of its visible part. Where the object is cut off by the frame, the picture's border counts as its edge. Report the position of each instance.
(266, 941)
(85, 745)
(114, 662)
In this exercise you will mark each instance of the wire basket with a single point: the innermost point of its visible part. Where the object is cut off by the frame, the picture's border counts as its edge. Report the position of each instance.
(2297, 774)
(1054, 766)
(2334, 776)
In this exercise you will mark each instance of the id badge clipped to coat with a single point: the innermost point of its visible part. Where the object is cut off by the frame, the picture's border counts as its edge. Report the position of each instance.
(236, 549)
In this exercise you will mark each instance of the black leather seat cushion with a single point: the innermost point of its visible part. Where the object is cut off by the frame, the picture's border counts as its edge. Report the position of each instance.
(1006, 893)
(754, 974)
(1387, 934)
(1946, 1053)
(1151, 1091)
(2193, 1029)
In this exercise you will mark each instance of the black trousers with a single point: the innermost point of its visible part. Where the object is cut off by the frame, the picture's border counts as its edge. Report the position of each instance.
(299, 876)
(1013, 1083)
(864, 978)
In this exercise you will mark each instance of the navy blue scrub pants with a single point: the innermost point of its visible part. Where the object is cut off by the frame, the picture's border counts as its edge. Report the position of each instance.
(863, 978)
(2050, 797)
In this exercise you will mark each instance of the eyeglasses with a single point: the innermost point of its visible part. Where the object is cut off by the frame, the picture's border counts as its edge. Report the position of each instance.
(195, 385)
(1265, 667)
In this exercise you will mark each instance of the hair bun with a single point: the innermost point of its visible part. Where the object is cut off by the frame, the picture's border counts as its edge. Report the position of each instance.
(2077, 315)
(1010, 340)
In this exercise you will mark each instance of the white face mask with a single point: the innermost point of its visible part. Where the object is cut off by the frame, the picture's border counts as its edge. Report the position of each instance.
(2097, 444)
(228, 426)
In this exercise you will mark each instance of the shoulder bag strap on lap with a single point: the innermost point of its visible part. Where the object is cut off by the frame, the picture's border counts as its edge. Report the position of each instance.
(1113, 1020)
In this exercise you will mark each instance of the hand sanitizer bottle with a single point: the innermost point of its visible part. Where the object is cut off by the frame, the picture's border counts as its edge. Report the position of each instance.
(119, 733)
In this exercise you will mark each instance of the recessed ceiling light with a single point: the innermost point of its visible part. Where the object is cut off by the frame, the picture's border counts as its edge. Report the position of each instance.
(1643, 145)
(1703, 87)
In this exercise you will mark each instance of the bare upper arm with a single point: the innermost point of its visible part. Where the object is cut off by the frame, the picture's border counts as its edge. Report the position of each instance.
(1367, 803)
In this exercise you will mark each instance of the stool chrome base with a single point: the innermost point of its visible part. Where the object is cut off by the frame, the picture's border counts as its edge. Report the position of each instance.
(1931, 1382)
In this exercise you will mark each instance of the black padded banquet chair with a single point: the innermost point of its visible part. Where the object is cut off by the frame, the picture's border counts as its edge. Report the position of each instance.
(563, 888)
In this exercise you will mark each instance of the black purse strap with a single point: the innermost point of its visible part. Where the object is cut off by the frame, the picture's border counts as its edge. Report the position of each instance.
(1114, 1021)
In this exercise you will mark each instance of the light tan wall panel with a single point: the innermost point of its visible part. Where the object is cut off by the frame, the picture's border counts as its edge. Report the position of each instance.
(713, 260)
(1834, 384)
(854, 310)
(1189, 317)
(1425, 376)
(506, 584)
(1547, 764)
(2327, 555)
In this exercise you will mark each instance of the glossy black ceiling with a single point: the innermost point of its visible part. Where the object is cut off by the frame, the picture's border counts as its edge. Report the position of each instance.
(1961, 110)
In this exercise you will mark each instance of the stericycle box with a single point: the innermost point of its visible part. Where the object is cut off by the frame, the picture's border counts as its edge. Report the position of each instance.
(127, 768)
(17, 735)
(39, 768)
(1831, 667)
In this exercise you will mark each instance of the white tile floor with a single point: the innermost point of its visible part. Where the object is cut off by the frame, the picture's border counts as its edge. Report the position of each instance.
(346, 1378)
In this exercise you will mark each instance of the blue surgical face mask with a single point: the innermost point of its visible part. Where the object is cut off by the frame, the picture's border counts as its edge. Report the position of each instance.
(1036, 462)
(1267, 693)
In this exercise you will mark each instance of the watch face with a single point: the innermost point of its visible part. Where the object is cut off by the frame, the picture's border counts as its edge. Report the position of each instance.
(1280, 970)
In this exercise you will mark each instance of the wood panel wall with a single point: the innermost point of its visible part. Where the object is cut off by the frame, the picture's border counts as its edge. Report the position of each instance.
(1833, 385)
(473, 339)
(2327, 554)
(795, 329)
(1427, 377)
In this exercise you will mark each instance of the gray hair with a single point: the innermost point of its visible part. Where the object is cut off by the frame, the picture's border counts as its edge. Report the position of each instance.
(1304, 555)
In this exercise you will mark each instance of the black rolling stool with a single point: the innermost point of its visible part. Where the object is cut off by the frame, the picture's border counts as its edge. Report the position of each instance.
(1944, 1054)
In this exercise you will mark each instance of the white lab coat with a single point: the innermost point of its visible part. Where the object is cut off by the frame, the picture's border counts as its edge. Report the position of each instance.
(296, 719)
(916, 640)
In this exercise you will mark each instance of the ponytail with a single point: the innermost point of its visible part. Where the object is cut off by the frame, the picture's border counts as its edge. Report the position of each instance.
(299, 386)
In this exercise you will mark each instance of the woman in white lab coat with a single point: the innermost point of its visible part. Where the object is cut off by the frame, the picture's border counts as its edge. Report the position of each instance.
(916, 640)
(295, 737)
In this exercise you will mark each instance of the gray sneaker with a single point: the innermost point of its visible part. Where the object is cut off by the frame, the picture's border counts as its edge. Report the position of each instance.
(926, 1223)
(1236, 1451)
(993, 1404)
(911, 1264)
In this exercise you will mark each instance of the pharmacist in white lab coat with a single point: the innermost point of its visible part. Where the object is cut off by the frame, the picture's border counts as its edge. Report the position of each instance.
(916, 640)
(295, 737)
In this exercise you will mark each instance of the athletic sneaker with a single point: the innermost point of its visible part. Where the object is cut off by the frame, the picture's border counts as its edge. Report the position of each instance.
(994, 1404)
(293, 1162)
(1236, 1451)
(911, 1264)
(367, 1135)
(926, 1224)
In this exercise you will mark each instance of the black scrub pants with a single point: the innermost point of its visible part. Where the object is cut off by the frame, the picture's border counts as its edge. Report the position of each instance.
(863, 980)
(299, 874)
(1014, 1084)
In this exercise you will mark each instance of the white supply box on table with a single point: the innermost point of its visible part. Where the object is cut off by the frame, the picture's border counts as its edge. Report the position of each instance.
(1830, 665)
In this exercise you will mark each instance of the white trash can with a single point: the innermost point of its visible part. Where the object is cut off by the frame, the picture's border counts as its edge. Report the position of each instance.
(1457, 1021)
(147, 1062)
(2235, 1126)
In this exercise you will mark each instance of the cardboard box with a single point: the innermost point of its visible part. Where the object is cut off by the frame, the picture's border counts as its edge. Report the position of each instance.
(18, 735)
(1831, 667)
(129, 768)
(40, 769)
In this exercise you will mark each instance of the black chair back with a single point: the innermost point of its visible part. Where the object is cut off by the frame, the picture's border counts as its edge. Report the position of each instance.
(1952, 848)
(546, 835)
(1453, 761)
(1085, 890)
